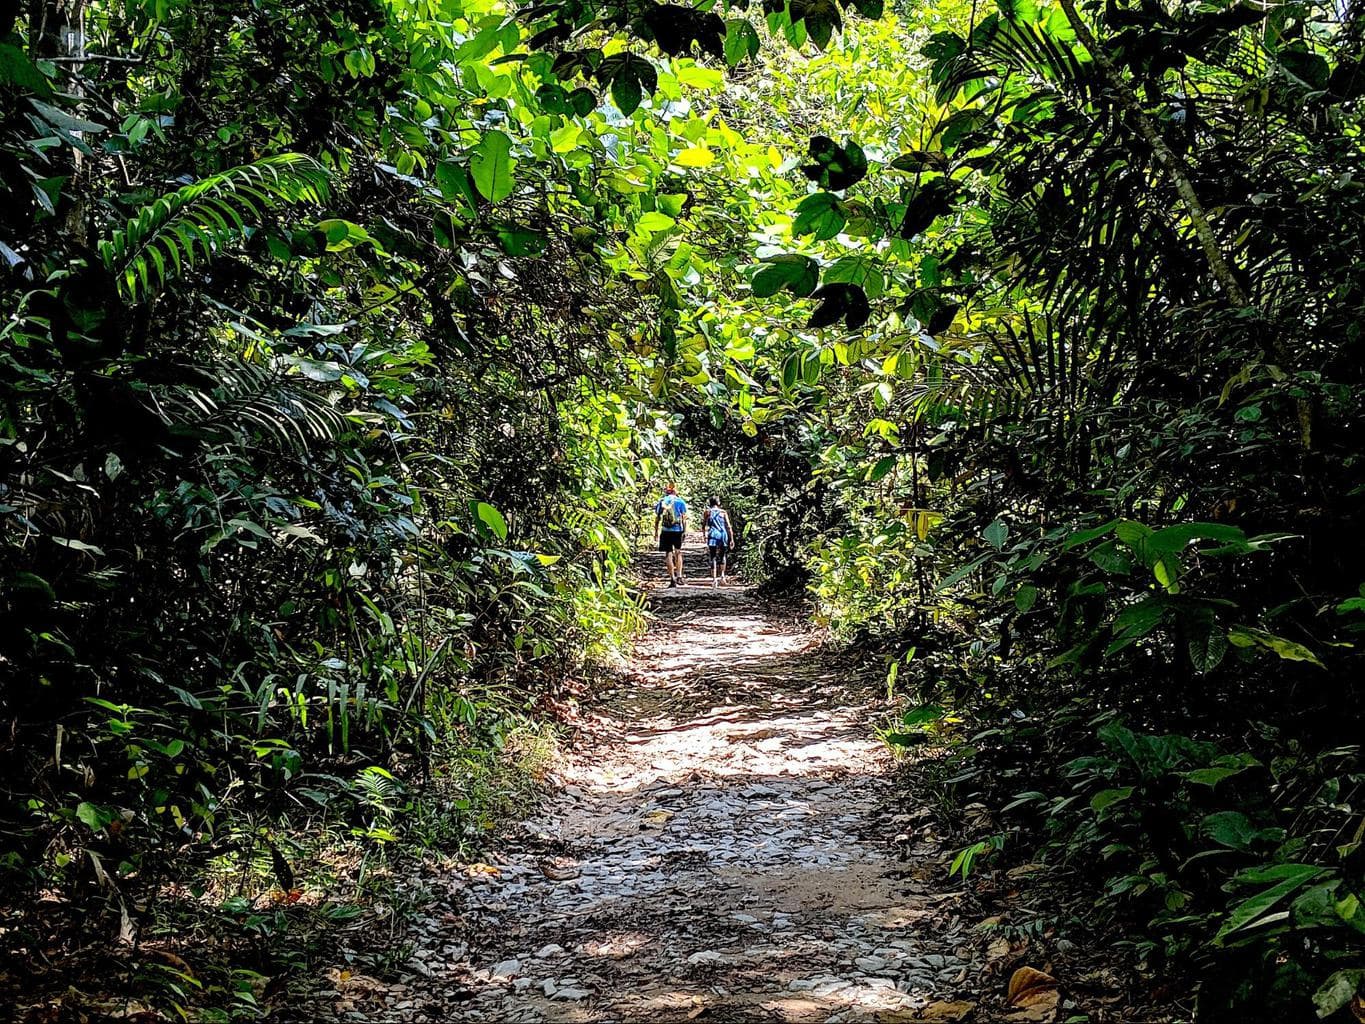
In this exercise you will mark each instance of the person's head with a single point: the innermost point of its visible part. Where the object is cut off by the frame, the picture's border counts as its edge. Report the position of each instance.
(670, 488)
(713, 501)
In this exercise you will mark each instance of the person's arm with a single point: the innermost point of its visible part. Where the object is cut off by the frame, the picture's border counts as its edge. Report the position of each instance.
(729, 530)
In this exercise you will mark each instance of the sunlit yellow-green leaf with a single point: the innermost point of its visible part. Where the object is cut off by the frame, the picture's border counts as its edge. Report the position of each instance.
(694, 156)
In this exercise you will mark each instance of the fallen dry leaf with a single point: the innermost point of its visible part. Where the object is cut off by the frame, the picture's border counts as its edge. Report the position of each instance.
(559, 869)
(346, 980)
(1027, 984)
(474, 870)
(1041, 1008)
(175, 961)
(698, 1008)
(999, 949)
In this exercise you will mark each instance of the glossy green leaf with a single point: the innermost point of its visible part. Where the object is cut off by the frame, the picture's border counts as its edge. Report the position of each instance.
(491, 166)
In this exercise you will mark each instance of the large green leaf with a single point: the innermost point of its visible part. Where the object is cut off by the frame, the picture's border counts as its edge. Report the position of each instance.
(796, 273)
(1289, 650)
(17, 70)
(741, 41)
(491, 166)
(1207, 640)
(491, 518)
(820, 214)
(1283, 878)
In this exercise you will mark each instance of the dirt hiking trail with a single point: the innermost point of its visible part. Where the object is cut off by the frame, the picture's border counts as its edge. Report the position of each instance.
(714, 852)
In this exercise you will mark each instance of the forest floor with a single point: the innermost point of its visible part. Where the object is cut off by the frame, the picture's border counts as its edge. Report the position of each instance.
(718, 847)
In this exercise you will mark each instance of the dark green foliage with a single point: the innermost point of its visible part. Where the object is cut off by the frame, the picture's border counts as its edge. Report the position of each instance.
(291, 490)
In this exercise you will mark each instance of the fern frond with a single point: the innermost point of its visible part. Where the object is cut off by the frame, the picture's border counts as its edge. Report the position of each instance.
(195, 222)
(249, 403)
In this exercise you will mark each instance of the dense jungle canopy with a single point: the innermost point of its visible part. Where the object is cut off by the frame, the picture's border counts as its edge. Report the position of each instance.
(347, 344)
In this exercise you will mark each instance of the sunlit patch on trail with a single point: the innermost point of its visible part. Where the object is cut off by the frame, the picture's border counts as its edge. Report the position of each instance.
(715, 806)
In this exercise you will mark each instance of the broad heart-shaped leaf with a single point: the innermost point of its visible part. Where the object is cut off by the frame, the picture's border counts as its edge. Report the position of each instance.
(741, 41)
(491, 518)
(822, 20)
(582, 102)
(833, 166)
(655, 221)
(95, 817)
(1206, 639)
(840, 301)
(491, 166)
(820, 214)
(1309, 69)
(552, 98)
(1230, 828)
(931, 200)
(630, 77)
(626, 93)
(677, 29)
(942, 48)
(919, 160)
(996, 534)
(798, 274)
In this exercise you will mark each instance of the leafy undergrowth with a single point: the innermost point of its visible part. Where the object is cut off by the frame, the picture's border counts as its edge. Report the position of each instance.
(1037, 914)
(276, 909)
(1197, 880)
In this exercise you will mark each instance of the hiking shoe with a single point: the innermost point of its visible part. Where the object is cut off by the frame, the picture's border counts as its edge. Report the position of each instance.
(673, 582)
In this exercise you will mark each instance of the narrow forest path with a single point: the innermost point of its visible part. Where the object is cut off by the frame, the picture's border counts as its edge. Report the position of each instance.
(716, 851)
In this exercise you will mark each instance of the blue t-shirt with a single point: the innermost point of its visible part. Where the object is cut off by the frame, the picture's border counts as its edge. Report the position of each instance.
(679, 510)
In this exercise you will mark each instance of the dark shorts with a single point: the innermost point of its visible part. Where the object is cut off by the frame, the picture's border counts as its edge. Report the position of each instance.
(718, 550)
(670, 540)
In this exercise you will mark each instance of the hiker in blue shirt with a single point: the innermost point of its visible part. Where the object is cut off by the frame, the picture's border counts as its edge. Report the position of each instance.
(720, 538)
(670, 524)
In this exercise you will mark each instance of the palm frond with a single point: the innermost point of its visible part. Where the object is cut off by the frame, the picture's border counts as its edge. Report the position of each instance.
(249, 403)
(195, 222)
